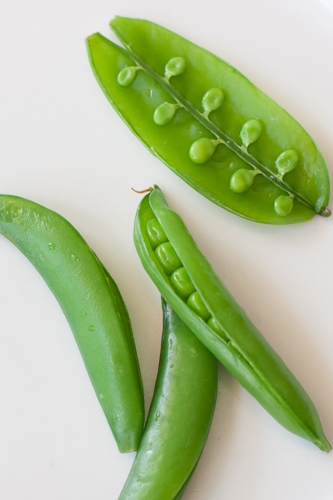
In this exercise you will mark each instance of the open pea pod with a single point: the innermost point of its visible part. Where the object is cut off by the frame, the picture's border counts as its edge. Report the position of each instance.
(187, 281)
(210, 125)
(179, 418)
(93, 306)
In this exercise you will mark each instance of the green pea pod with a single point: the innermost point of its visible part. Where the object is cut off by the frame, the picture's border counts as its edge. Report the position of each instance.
(226, 330)
(210, 125)
(179, 417)
(93, 306)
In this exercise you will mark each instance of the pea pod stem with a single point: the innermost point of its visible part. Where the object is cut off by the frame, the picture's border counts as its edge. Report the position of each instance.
(216, 131)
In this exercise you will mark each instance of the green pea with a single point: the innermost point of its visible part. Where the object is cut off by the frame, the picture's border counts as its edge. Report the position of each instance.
(182, 283)
(212, 100)
(195, 302)
(250, 132)
(176, 66)
(126, 76)
(286, 162)
(242, 180)
(164, 113)
(283, 205)
(168, 258)
(214, 325)
(202, 150)
(155, 233)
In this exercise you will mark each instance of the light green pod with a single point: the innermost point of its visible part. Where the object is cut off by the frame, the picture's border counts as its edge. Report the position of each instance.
(240, 347)
(249, 130)
(93, 306)
(179, 417)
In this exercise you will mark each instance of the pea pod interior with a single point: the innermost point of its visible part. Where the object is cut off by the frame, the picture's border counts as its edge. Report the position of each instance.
(210, 125)
(227, 331)
(93, 306)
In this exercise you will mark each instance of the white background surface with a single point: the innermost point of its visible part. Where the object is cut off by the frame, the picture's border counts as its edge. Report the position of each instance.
(62, 145)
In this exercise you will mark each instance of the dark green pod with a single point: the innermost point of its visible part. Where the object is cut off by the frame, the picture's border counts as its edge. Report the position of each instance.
(232, 337)
(222, 124)
(179, 417)
(93, 306)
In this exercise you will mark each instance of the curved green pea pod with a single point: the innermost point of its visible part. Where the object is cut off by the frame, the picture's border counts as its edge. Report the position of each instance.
(235, 341)
(179, 417)
(247, 128)
(93, 306)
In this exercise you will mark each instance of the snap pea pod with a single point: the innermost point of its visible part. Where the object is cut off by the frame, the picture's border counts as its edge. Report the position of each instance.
(189, 284)
(179, 417)
(210, 125)
(93, 306)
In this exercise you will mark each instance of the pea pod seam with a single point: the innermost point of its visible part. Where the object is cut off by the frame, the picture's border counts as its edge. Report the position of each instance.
(211, 127)
(133, 82)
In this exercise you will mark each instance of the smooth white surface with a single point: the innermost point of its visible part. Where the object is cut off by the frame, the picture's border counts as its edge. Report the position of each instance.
(62, 145)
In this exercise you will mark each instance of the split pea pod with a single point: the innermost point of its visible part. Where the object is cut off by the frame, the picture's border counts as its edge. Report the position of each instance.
(179, 417)
(187, 281)
(93, 306)
(210, 125)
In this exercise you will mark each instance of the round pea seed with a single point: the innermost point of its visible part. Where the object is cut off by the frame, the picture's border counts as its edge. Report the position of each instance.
(283, 205)
(182, 283)
(212, 100)
(155, 233)
(176, 66)
(126, 76)
(168, 258)
(214, 325)
(202, 150)
(164, 113)
(196, 304)
(241, 180)
(287, 161)
(250, 132)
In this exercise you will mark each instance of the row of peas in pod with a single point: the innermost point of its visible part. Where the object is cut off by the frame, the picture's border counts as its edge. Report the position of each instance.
(203, 149)
(210, 125)
(179, 278)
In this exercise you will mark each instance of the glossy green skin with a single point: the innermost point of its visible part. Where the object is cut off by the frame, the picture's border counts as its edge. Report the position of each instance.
(247, 355)
(179, 418)
(93, 306)
(152, 47)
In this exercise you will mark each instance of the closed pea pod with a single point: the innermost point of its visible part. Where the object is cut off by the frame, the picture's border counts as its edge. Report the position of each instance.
(227, 332)
(93, 306)
(216, 123)
(179, 417)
